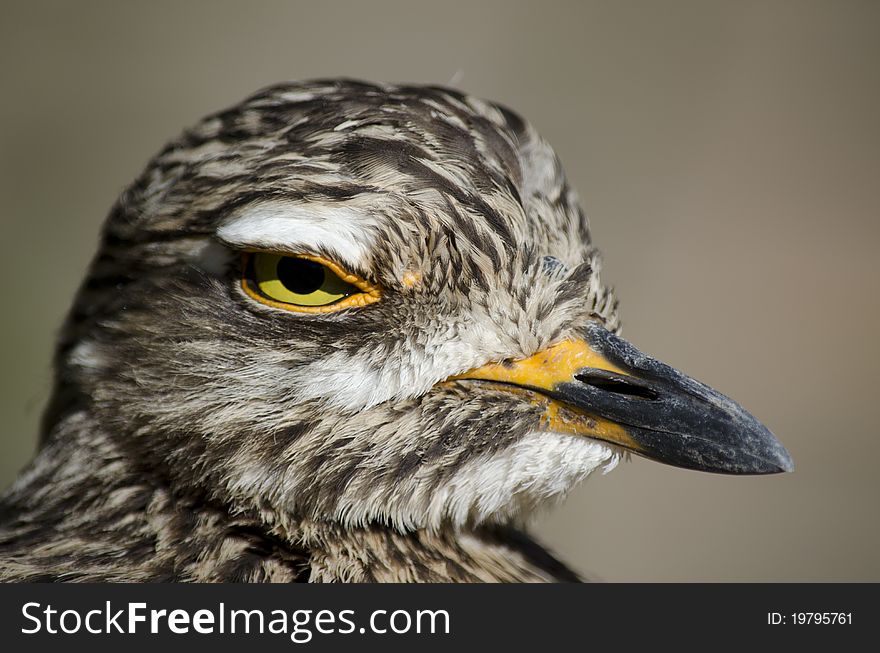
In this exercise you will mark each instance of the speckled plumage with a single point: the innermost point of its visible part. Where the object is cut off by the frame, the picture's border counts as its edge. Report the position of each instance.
(195, 434)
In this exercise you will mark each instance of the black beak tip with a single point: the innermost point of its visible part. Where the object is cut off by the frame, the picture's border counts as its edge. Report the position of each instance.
(767, 455)
(781, 462)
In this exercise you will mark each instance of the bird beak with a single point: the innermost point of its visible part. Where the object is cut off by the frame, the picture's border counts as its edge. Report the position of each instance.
(602, 387)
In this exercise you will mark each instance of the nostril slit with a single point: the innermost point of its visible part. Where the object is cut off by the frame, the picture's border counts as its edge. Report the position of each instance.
(617, 386)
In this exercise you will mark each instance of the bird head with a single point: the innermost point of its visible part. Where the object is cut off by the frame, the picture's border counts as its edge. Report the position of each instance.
(372, 304)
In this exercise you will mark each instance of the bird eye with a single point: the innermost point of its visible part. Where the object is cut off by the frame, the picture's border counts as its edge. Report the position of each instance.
(298, 281)
(304, 283)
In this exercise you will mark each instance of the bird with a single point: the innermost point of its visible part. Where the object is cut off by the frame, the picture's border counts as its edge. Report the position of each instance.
(345, 331)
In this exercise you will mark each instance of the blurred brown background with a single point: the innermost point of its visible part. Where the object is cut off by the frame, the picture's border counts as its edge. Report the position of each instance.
(728, 154)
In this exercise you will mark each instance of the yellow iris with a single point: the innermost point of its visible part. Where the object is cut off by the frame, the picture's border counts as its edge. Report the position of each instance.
(304, 283)
(298, 281)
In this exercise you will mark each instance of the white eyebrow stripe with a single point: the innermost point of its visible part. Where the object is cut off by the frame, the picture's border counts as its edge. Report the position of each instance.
(294, 226)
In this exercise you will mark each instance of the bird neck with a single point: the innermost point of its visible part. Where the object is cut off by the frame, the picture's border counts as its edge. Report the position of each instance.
(85, 510)
(380, 554)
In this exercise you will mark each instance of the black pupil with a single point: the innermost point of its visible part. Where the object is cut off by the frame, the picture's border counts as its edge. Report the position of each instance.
(300, 275)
